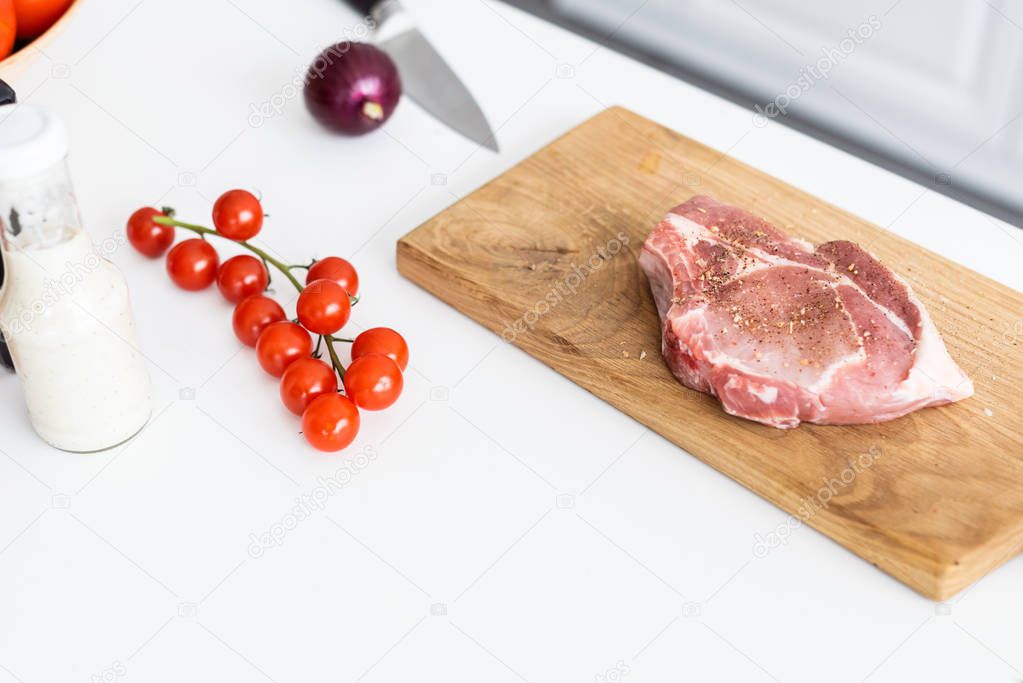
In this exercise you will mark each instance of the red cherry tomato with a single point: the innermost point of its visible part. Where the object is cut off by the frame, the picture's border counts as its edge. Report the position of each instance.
(374, 382)
(336, 269)
(382, 340)
(149, 238)
(35, 16)
(323, 307)
(8, 27)
(241, 276)
(281, 344)
(252, 315)
(331, 422)
(192, 264)
(305, 380)
(238, 215)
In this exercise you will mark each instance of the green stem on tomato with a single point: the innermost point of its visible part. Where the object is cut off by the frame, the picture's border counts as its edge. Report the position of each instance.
(284, 268)
(334, 360)
(267, 258)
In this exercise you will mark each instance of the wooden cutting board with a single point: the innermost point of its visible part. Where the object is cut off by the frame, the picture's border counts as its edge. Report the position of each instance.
(545, 255)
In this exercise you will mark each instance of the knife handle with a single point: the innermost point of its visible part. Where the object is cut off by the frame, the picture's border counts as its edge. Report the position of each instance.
(6, 94)
(379, 11)
(363, 7)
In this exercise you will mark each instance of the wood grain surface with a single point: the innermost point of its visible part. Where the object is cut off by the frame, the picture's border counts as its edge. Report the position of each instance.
(545, 255)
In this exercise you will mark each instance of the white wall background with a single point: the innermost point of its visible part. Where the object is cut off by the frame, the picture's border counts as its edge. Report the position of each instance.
(936, 85)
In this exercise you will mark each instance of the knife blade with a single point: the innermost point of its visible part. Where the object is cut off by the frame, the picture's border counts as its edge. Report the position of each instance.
(425, 76)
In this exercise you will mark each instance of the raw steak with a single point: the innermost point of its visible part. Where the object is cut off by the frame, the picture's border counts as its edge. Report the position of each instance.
(781, 332)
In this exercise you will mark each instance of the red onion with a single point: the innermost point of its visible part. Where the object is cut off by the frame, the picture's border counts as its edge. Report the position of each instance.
(352, 88)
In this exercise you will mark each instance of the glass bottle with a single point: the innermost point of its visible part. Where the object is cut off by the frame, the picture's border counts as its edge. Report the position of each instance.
(64, 308)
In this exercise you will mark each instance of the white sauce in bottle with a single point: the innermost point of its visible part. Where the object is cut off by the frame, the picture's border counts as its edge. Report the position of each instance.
(64, 309)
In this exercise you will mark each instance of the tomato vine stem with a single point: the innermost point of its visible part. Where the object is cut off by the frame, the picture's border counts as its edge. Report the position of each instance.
(204, 231)
(284, 268)
(334, 360)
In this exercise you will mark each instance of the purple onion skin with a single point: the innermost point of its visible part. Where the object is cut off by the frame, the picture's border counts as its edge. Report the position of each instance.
(352, 88)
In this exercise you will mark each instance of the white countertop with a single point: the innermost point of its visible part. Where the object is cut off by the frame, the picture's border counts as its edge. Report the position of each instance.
(510, 526)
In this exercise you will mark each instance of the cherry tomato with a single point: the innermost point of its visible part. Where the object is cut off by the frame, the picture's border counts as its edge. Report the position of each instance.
(382, 340)
(281, 344)
(323, 307)
(192, 264)
(331, 422)
(252, 315)
(305, 380)
(149, 238)
(374, 382)
(8, 27)
(238, 215)
(35, 16)
(336, 269)
(241, 276)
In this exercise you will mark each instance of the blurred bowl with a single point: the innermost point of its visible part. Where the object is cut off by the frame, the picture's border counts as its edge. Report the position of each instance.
(18, 61)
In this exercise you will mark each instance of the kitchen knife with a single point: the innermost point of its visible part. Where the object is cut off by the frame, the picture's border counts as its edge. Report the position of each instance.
(425, 76)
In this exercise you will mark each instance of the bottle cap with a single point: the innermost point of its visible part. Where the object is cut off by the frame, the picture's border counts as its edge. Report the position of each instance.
(31, 141)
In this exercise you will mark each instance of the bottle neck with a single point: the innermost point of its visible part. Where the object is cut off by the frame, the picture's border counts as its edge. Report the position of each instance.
(38, 211)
